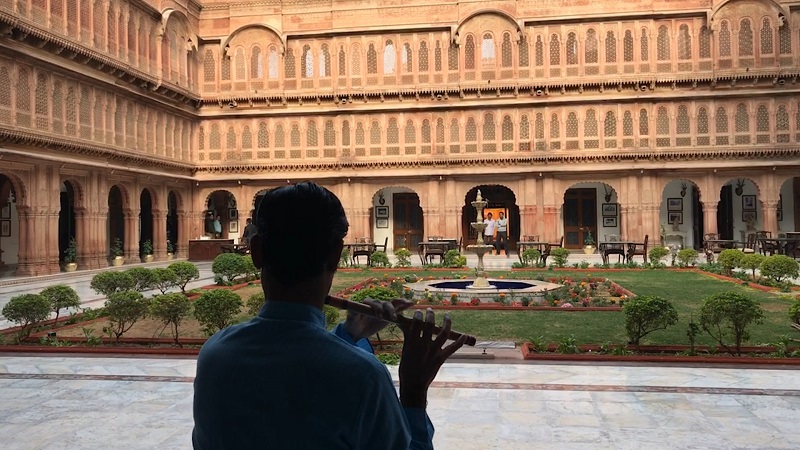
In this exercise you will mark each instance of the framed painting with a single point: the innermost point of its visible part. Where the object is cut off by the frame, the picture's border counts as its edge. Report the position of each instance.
(609, 222)
(750, 216)
(233, 227)
(675, 217)
(381, 212)
(382, 223)
(675, 204)
(233, 214)
(610, 209)
(5, 228)
(5, 211)
(748, 203)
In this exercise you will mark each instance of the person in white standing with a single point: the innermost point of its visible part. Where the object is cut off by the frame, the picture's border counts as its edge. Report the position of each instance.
(502, 234)
(488, 232)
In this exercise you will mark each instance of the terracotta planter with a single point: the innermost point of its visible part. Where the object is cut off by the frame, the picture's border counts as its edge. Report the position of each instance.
(147, 258)
(117, 261)
(170, 256)
(70, 267)
(589, 249)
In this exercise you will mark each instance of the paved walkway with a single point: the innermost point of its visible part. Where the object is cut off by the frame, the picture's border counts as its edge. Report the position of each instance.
(100, 403)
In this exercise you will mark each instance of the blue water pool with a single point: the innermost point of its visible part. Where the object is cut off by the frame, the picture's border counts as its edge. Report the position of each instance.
(499, 284)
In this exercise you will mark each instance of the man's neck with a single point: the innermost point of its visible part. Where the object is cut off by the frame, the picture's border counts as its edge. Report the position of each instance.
(309, 293)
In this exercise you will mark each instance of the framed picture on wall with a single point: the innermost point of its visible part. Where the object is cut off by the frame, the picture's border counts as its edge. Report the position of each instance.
(233, 227)
(609, 209)
(381, 212)
(5, 212)
(749, 216)
(675, 204)
(609, 222)
(748, 202)
(382, 223)
(233, 214)
(675, 217)
(5, 228)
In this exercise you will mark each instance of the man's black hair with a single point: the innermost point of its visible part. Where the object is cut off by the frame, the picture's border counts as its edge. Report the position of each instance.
(299, 225)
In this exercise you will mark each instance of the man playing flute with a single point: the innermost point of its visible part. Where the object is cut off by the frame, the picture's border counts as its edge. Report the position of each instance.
(281, 381)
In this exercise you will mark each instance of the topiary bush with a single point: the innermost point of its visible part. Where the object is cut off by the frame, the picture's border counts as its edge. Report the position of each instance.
(215, 309)
(752, 262)
(143, 278)
(379, 293)
(656, 254)
(779, 268)
(730, 259)
(186, 272)
(560, 256)
(530, 257)
(26, 310)
(227, 267)
(687, 257)
(726, 317)
(380, 259)
(454, 259)
(794, 312)
(331, 315)
(124, 309)
(61, 296)
(164, 279)
(403, 257)
(252, 272)
(254, 303)
(646, 314)
(170, 310)
(107, 283)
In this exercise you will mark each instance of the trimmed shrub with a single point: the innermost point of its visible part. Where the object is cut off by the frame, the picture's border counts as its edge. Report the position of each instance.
(331, 315)
(143, 278)
(794, 312)
(379, 293)
(403, 257)
(454, 259)
(726, 316)
(779, 268)
(560, 256)
(186, 272)
(251, 270)
(530, 257)
(227, 267)
(215, 309)
(687, 257)
(379, 259)
(170, 309)
(730, 259)
(752, 262)
(61, 296)
(656, 254)
(26, 310)
(646, 314)
(107, 283)
(254, 303)
(344, 258)
(164, 279)
(125, 309)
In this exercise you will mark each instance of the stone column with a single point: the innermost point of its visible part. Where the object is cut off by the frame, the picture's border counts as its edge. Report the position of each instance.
(159, 235)
(24, 263)
(710, 218)
(37, 241)
(131, 245)
(183, 235)
(98, 239)
(53, 260)
(429, 224)
(527, 220)
(548, 226)
(651, 225)
(770, 214)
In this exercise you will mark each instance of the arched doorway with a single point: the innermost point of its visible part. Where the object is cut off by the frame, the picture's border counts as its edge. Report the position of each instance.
(172, 221)
(396, 218)
(681, 214)
(66, 219)
(116, 219)
(590, 208)
(739, 209)
(222, 204)
(499, 198)
(9, 227)
(788, 211)
(145, 218)
(257, 201)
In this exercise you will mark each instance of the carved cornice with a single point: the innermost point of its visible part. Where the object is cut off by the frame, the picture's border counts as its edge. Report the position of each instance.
(534, 161)
(18, 138)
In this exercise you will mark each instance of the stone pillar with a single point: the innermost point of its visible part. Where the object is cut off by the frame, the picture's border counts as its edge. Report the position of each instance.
(159, 235)
(527, 220)
(770, 214)
(24, 262)
(37, 241)
(131, 244)
(429, 224)
(710, 218)
(359, 225)
(53, 260)
(182, 245)
(98, 239)
(651, 225)
(548, 226)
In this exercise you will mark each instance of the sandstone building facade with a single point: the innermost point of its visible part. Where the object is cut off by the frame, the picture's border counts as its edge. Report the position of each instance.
(130, 119)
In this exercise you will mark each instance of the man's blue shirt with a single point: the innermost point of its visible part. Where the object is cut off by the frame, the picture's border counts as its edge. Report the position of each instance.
(281, 381)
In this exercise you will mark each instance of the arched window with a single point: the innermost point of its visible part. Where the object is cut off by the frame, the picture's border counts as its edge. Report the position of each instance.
(256, 63)
(488, 127)
(375, 134)
(555, 51)
(214, 142)
(439, 131)
(342, 62)
(524, 129)
(280, 136)
(644, 46)
(406, 58)
(721, 122)
(329, 138)
(539, 50)
(663, 47)
(311, 134)
(644, 125)
(785, 39)
(345, 133)
(742, 119)
(307, 63)
(524, 58)
(239, 64)
(767, 47)
(627, 44)
(610, 124)
(469, 53)
(389, 58)
(452, 55)
(572, 125)
(702, 121)
(294, 136)
(426, 131)
(423, 57)
(273, 63)
(355, 61)
(682, 121)
(572, 49)
(506, 56)
(372, 60)
(590, 50)
(247, 138)
(662, 122)
(590, 129)
(325, 62)
(392, 132)
(437, 57)
(230, 139)
(410, 133)
(611, 48)
(555, 132)
(289, 64)
(705, 43)
(263, 135)
(209, 67)
(782, 125)
(361, 135)
(487, 49)
(762, 125)
(627, 124)
(745, 38)
(724, 40)
(454, 136)
(471, 130)
(539, 127)
(684, 43)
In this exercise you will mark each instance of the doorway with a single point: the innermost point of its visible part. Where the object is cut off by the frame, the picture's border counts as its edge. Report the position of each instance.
(580, 216)
(408, 227)
(725, 213)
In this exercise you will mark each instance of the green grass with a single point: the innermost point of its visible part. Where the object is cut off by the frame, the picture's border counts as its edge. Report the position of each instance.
(686, 290)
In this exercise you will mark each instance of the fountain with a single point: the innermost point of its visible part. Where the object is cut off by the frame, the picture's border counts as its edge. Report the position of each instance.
(479, 248)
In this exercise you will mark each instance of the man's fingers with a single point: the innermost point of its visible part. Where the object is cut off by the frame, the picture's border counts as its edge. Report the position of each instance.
(388, 311)
(401, 304)
(452, 348)
(427, 328)
(442, 337)
(416, 325)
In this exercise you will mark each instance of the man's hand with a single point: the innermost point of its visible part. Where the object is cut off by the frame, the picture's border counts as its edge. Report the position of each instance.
(359, 326)
(422, 357)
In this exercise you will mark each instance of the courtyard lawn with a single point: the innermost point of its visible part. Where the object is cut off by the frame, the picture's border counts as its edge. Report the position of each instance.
(686, 290)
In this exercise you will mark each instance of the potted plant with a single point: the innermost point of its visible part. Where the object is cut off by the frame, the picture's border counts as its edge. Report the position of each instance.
(71, 256)
(116, 253)
(588, 243)
(170, 250)
(147, 251)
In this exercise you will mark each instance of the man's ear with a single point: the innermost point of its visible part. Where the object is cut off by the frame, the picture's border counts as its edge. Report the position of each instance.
(255, 251)
(333, 259)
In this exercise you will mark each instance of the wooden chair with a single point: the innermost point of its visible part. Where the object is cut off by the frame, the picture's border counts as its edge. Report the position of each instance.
(613, 249)
(382, 248)
(711, 248)
(433, 251)
(766, 247)
(638, 250)
(549, 247)
(749, 246)
(366, 250)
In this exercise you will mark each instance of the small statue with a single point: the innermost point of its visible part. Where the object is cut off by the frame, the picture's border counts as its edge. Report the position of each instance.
(675, 224)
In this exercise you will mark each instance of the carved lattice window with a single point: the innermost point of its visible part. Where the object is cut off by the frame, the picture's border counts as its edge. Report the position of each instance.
(782, 119)
(471, 130)
(280, 136)
(256, 63)
(627, 44)
(745, 38)
(488, 127)
(272, 73)
(702, 121)
(767, 47)
(426, 131)
(111, 31)
(684, 43)
(410, 133)
(84, 109)
(572, 49)
(572, 125)
(238, 64)
(329, 135)
(361, 135)
(437, 57)
(721, 122)
(454, 131)
(724, 40)
(610, 124)
(539, 51)
(469, 53)
(627, 124)
(682, 121)
(325, 62)
(389, 58)
(524, 128)
(372, 60)
(555, 132)
(392, 132)
(590, 49)
(506, 56)
(406, 58)
(663, 47)
(507, 129)
(375, 133)
(662, 121)
(439, 130)
(452, 57)
(742, 119)
(58, 110)
(342, 62)
(555, 51)
(705, 42)
(590, 124)
(345, 133)
(423, 57)
(762, 119)
(644, 46)
(23, 91)
(307, 63)
(209, 67)
(230, 139)
(539, 126)
(611, 48)
(487, 49)
(40, 105)
(263, 135)
(785, 39)
(524, 57)
(201, 139)
(644, 125)
(311, 134)
(355, 61)
(247, 137)
(289, 64)
(294, 136)
(214, 139)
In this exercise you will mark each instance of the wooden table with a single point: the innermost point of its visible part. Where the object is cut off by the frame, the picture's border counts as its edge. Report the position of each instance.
(363, 248)
(524, 245)
(424, 247)
(786, 246)
(207, 249)
(721, 244)
(605, 249)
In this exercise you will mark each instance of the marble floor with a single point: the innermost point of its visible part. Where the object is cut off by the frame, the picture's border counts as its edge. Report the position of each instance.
(145, 403)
